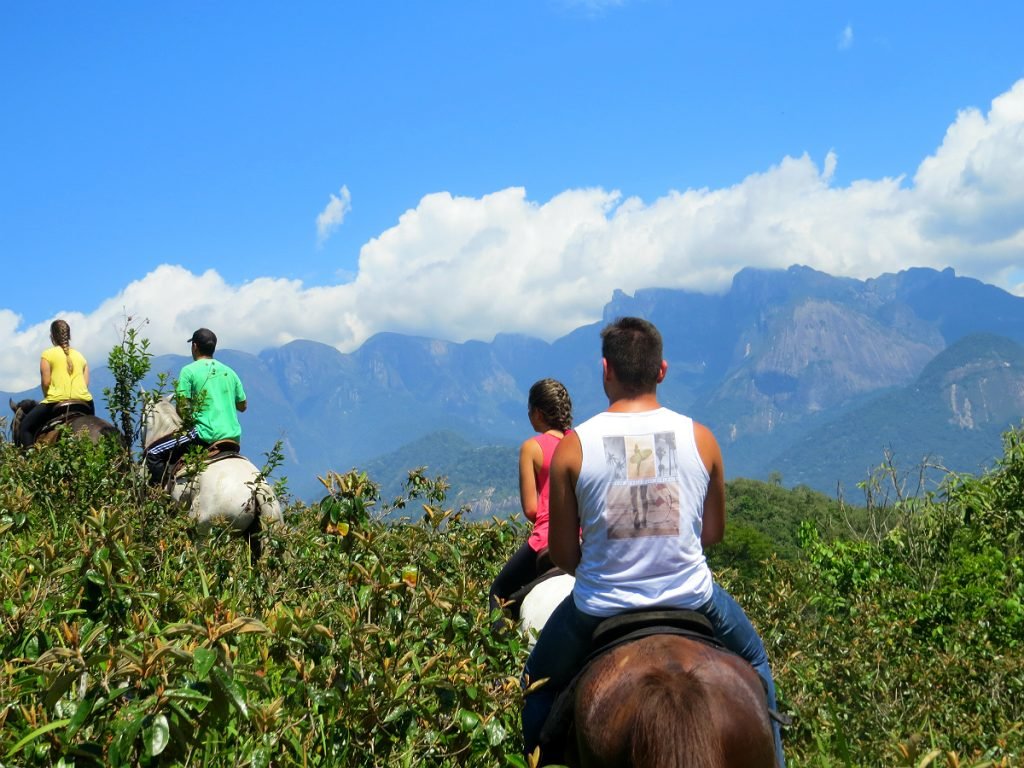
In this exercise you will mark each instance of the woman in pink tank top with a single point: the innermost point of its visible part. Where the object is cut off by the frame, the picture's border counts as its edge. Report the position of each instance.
(550, 411)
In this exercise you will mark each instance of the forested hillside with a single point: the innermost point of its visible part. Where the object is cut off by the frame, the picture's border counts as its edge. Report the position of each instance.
(360, 639)
(950, 416)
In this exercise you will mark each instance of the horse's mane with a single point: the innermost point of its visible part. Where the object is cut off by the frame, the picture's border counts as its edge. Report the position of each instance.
(672, 721)
(669, 702)
(162, 419)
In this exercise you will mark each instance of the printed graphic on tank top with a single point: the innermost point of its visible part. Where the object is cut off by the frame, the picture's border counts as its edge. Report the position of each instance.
(643, 497)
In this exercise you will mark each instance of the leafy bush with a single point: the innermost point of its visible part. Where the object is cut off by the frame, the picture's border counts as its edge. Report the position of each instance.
(362, 639)
(127, 644)
(129, 362)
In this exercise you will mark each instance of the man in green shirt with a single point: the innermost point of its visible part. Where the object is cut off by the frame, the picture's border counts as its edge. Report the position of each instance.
(209, 397)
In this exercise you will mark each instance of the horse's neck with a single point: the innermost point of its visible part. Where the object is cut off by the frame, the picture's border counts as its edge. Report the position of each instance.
(163, 421)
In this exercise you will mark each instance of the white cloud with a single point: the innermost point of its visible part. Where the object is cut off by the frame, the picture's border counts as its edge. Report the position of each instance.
(830, 165)
(463, 268)
(846, 38)
(332, 217)
(971, 186)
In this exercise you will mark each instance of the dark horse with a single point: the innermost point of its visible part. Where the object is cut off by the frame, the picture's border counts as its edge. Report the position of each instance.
(668, 701)
(64, 414)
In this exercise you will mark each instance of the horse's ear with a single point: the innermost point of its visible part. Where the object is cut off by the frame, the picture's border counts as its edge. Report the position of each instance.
(13, 406)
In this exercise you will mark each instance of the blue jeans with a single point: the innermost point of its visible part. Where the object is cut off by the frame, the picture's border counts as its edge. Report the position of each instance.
(565, 642)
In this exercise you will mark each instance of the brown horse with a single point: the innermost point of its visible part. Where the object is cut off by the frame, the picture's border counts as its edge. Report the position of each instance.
(79, 423)
(668, 701)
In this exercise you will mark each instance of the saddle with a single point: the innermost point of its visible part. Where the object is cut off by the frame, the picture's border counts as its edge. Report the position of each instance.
(223, 449)
(611, 633)
(217, 451)
(63, 412)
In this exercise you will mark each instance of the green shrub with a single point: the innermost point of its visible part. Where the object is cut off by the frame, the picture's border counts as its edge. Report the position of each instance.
(362, 639)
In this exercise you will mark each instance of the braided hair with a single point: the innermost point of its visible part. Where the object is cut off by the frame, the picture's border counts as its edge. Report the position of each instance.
(551, 399)
(60, 333)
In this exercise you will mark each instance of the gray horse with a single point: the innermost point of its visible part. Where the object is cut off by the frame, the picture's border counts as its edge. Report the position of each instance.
(228, 490)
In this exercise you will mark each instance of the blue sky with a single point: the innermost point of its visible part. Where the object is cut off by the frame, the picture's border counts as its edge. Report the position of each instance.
(332, 170)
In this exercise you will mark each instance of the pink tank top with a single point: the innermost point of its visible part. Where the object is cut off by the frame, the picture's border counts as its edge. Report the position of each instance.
(539, 536)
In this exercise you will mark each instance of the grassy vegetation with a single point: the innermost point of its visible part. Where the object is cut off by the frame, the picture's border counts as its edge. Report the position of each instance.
(895, 632)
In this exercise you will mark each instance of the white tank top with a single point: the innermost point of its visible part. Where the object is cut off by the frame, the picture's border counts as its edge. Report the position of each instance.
(641, 497)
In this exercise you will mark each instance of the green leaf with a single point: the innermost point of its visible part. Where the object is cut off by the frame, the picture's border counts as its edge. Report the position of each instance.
(159, 735)
(468, 721)
(61, 685)
(496, 734)
(187, 694)
(235, 693)
(82, 713)
(121, 747)
(113, 694)
(203, 660)
(30, 649)
(260, 758)
(36, 733)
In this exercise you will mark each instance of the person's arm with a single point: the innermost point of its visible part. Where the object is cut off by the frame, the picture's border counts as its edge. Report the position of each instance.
(564, 525)
(44, 375)
(183, 397)
(241, 403)
(713, 522)
(85, 375)
(530, 457)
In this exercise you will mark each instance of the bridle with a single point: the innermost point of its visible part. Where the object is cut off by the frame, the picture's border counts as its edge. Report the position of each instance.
(19, 413)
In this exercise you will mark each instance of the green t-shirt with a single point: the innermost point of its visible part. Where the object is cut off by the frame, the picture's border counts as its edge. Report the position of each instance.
(214, 389)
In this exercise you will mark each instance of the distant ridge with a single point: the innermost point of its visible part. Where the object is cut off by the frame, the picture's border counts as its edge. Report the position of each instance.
(952, 416)
(483, 477)
(784, 367)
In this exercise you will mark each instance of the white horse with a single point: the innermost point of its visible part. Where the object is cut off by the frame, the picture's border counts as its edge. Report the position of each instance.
(539, 604)
(227, 491)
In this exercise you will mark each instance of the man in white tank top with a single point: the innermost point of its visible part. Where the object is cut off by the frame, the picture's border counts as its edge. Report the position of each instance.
(636, 493)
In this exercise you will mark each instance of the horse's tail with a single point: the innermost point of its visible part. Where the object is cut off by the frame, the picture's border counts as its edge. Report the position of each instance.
(672, 722)
(252, 532)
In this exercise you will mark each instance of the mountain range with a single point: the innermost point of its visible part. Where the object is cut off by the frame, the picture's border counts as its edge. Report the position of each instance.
(804, 377)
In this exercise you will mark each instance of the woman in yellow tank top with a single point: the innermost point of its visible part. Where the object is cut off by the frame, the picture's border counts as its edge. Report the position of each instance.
(63, 376)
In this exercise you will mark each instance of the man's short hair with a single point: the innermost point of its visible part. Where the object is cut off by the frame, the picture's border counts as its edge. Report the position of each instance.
(205, 341)
(632, 346)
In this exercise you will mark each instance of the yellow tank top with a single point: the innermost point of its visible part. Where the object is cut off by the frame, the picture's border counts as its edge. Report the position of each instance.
(64, 385)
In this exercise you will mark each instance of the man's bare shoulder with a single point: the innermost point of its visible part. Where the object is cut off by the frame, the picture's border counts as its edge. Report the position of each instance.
(569, 450)
(707, 445)
(702, 431)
